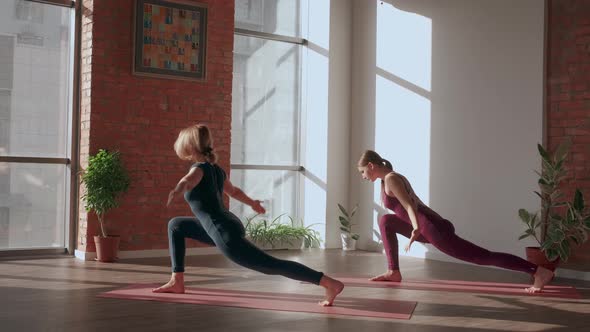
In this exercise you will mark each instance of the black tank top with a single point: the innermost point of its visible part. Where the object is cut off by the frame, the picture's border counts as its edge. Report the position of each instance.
(207, 196)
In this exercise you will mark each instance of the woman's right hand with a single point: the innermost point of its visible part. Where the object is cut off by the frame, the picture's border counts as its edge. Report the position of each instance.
(257, 206)
(415, 235)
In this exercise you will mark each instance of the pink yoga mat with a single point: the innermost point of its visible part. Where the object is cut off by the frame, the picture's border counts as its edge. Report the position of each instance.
(464, 286)
(346, 306)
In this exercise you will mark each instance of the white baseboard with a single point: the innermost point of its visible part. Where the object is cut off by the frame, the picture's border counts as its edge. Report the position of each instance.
(90, 256)
(82, 255)
(572, 274)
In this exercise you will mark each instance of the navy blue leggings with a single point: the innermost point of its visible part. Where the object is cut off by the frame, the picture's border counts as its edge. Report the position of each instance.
(230, 239)
(442, 236)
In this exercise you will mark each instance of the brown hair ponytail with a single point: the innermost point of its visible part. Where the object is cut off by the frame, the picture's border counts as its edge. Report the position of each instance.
(193, 141)
(370, 156)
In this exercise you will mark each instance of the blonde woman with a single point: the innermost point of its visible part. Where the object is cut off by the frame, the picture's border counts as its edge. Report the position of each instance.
(416, 221)
(203, 188)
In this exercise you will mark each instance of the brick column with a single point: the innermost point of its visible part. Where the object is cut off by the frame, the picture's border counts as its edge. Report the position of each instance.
(568, 95)
(141, 116)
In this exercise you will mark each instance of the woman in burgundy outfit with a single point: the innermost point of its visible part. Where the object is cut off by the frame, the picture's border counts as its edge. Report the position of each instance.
(416, 221)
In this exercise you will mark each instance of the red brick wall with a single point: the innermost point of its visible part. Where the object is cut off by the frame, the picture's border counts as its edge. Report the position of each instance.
(141, 116)
(568, 92)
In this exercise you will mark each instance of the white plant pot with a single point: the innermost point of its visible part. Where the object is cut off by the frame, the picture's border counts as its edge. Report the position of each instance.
(281, 245)
(348, 243)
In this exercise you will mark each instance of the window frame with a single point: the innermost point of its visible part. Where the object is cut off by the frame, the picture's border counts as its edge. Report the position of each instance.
(298, 167)
(71, 162)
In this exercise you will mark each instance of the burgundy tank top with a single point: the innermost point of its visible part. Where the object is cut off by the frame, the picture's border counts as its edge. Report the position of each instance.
(425, 215)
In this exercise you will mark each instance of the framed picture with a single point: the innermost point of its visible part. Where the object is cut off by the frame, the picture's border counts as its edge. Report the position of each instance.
(170, 39)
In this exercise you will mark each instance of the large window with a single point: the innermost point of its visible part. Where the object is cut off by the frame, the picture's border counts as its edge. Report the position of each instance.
(282, 18)
(266, 107)
(36, 45)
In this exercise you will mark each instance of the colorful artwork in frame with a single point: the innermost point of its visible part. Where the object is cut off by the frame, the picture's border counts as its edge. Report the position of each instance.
(170, 39)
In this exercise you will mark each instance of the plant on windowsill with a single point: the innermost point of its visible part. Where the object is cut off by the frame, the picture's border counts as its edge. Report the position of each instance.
(105, 179)
(348, 237)
(273, 234)
(560, 225)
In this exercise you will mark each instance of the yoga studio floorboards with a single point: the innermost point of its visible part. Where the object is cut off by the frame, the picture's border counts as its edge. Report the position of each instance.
(65, 294)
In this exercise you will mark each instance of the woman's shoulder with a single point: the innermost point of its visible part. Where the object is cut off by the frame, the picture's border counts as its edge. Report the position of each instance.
(220, 170)
(199, 165)
(214, 167)
(393, 177)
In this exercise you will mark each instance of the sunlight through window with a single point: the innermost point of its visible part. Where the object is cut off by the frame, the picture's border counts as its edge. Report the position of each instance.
(402, 101)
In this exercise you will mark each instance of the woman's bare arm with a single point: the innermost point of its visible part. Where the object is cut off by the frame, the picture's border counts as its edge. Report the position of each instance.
(188, 182)
(237, 193)
(395, 186)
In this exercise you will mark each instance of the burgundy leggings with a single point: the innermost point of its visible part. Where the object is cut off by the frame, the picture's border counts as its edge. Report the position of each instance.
(443, 237)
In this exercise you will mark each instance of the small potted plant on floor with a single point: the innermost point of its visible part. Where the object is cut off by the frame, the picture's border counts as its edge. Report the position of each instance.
(105, 179)
(559, 225)
(348, 237)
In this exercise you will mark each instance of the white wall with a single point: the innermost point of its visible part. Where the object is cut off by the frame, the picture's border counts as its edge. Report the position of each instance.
(451, 93)
(338, 117)
(314, 132)
(363, 112)
(327, 117)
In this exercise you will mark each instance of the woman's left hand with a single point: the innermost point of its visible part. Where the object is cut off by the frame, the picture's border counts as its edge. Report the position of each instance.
(258, 207)
(413, 237)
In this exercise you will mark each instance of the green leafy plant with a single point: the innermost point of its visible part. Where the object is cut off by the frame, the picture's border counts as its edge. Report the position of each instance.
(346, 221)
(559, 224)
(105, 179)
(272, 232)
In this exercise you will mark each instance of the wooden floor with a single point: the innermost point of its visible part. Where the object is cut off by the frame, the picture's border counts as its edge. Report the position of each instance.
(59, 294)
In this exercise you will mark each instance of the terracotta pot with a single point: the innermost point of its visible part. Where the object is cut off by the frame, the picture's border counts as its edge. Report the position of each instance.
(536, 256)
(107, 248)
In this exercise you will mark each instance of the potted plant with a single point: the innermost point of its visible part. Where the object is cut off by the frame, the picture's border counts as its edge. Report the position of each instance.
(105, 179)
(348, 237)
(276, 235)
(560, 224)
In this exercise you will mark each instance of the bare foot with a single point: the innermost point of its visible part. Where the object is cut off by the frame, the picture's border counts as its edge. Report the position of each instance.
(390, 275)
(542, 278)
(333, 288)
(175, 285)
